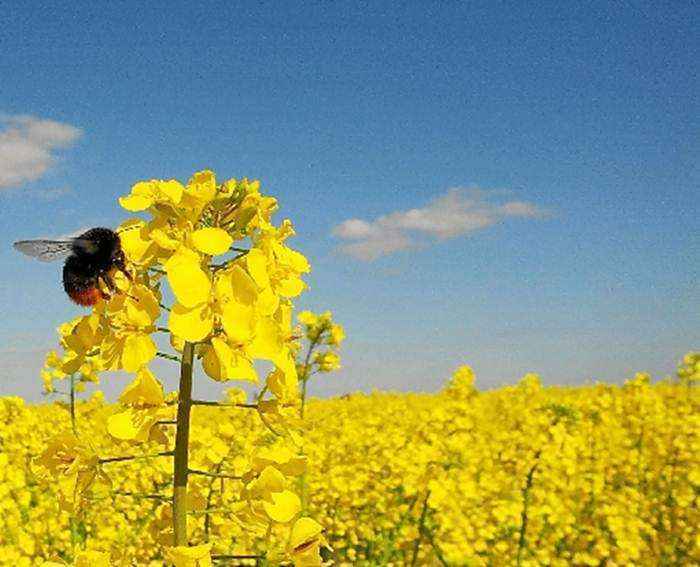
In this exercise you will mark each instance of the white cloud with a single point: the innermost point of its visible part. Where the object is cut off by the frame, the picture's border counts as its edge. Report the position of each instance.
(28, 145)
(458, 212)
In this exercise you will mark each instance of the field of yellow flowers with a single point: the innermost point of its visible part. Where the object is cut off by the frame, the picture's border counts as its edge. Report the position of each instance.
(522, 475)
(204, 278)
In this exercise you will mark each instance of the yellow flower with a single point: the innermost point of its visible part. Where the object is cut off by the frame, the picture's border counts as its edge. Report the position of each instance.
(92, 559)
(145, 194)
(305, 541)
(461, 385)
(233, 301)
(84, 559)
(189, 282)
(74, 467)
(130, 318)
(327, 361)
(222, 362)
(145, 401)
(307, 318)
(145, 391)
(337, 335)
(212, 241)
(284, 506)
(197, 556)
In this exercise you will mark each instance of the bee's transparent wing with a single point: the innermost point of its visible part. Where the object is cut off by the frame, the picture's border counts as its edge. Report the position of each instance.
(46, 250)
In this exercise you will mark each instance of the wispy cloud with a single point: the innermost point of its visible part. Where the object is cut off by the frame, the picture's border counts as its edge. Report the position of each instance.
(28, 147)
(458, 212)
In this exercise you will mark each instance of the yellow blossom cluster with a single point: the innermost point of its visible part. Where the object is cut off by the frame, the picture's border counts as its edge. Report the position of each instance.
(212, 247)
(524, 474)
(322, 338)
(689, 369)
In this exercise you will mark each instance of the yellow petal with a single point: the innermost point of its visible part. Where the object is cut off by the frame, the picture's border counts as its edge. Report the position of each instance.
(304, 530)
(290, 287)
(284, 507)
(267, 343)
(162, 239)
(298, 261)
(238, 321)
(201, 188)
(212, 241)
(146, 301)
(135, 203)
(145, 390)
(217, 359)
(132, 424)
(284, 382)
(139, 350)
(92, 559)
(283, 458)
(190, 284)
(307, 318)
(196, 556)
(270, 480)
(172, 190)
(134, 243)
(221, 362)
(235, 284)
(256, 261)
(191, 323)
(243, 369)
(267, 302)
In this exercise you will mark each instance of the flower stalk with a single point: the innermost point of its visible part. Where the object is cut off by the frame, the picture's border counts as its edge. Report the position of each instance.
(182, 440)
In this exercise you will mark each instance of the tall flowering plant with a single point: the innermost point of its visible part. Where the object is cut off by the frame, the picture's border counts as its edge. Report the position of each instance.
(213, 248)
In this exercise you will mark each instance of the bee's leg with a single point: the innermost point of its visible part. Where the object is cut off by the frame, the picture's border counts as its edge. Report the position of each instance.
(120, 264)
(109, 282)
(103, 293)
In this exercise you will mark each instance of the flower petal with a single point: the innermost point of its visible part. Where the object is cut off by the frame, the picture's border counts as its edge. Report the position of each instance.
(257, 267)
(190, 284)
(191, 323)
(238, 321)
(304, 530)
(139, 350)
(284, 507)
(212, 241)
(144, 391)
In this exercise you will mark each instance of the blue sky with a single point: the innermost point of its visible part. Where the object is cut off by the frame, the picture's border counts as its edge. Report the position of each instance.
(533, 169)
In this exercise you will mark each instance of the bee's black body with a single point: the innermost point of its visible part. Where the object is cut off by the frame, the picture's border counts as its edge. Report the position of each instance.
(93, 254)
(90, 259)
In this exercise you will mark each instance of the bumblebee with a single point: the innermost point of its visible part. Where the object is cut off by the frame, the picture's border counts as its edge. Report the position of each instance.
(90, 259)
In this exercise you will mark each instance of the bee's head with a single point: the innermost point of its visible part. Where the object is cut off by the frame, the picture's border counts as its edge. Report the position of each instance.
(100, 243)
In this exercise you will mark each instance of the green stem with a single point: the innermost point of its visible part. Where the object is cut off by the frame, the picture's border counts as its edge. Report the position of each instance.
(222, 557)
(167, 356)
(72, 405)
(215, 474)
(134, 457)
(210, 495)
(141, 496)
(182, 441)
(222, 404)
(305, 377)
(522, 541)
(304, 381)
(421, 530)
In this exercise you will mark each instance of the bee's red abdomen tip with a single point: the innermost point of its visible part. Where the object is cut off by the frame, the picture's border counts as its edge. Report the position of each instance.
(86, 297)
